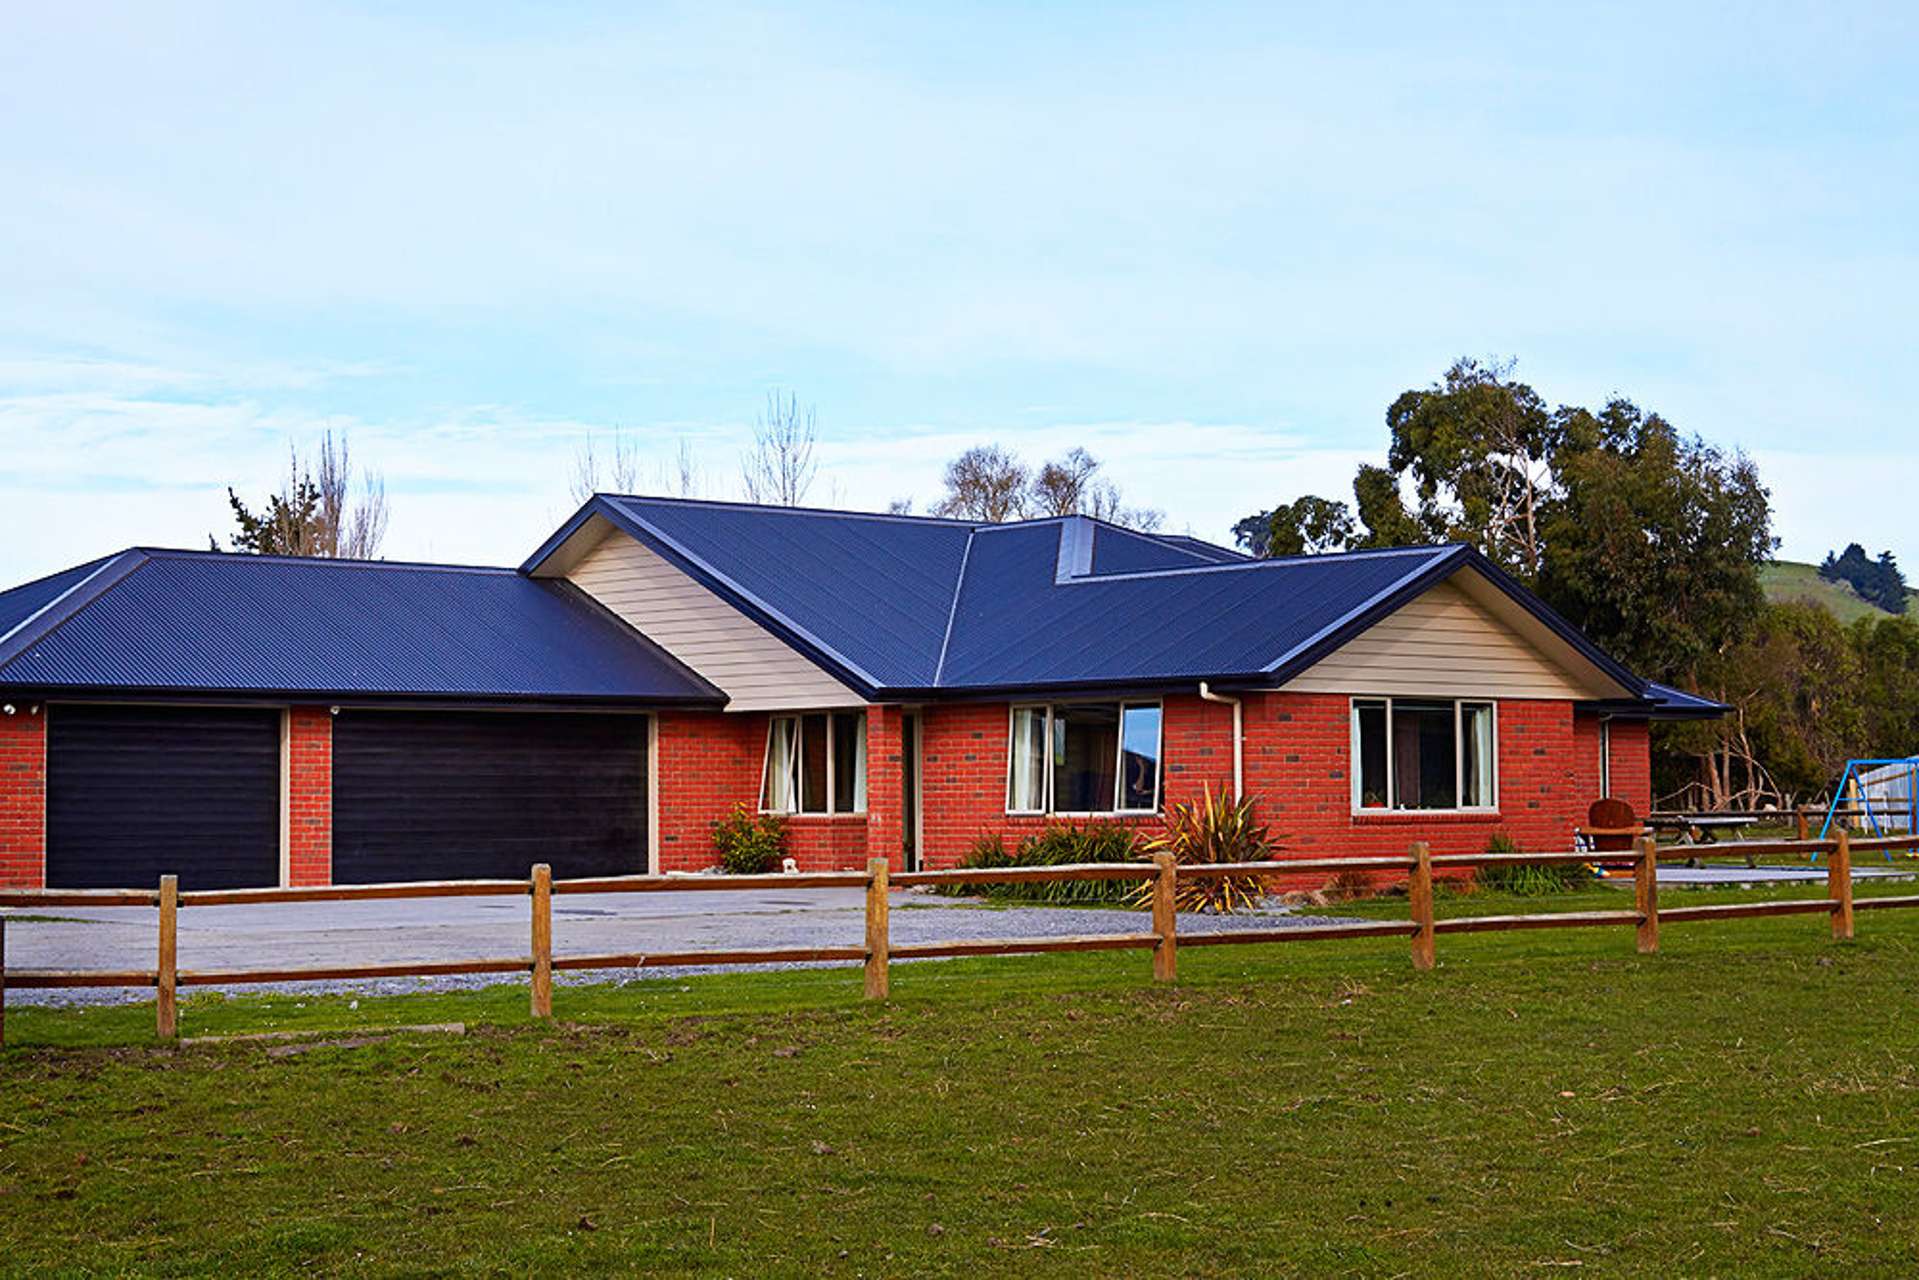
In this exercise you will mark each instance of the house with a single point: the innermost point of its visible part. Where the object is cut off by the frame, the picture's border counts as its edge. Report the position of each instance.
(899, 685)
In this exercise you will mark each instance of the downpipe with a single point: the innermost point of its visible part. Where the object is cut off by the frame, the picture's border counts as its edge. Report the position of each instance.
(1239, 734)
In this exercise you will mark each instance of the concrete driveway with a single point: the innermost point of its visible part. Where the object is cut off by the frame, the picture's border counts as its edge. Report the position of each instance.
(295, 935)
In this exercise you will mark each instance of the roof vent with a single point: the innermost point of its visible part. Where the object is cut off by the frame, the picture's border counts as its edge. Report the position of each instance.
(1075, 548)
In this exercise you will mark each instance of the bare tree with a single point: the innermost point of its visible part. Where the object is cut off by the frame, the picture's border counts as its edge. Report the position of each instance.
(316, 511)
(348, 529)
(680, 474)
(1063, 488)
(900, 507)
(1073, 486)
(986, 483)
(618, 472)
(781, 467)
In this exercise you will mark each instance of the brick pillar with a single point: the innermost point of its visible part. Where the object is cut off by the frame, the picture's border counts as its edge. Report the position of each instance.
(885, 808)
(309, 796)
(23, 797)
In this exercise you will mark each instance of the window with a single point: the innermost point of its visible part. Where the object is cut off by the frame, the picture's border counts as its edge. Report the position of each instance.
(1084, 757)
(815, 764)
(1422, 753)
(1605, 758)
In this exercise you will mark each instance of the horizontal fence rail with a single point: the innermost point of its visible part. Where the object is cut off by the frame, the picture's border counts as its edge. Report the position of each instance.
(1158, 877)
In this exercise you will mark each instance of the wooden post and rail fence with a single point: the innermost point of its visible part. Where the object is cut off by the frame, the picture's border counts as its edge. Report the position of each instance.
(877, 952)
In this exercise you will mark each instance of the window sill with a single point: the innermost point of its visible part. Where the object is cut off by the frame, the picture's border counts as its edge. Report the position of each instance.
(1087, 816)
(815, 817)
(1413, 817)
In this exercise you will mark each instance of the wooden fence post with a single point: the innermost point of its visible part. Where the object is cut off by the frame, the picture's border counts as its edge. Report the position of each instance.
(877, 943)
(1419, 894)
(1645, 884)
(166, 979)
(1802, 823)
(1165, 918)
(1839, 885)
(543, 941)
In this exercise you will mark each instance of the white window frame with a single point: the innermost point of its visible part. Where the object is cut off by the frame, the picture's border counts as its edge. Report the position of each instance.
(797, 764)
(1119, 774)
(1605, 757)
(1392, 775)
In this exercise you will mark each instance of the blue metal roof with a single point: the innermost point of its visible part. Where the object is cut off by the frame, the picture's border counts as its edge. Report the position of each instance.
(22, 604)
(1669, 703)
(908, 606)
(184, 621)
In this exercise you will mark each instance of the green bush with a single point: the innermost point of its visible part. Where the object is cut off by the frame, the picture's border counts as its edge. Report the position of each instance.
(1058, 844)
(1529, 881)
(749, 843)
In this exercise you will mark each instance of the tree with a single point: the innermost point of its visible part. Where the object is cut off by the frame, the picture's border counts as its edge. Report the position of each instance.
(1479, 447)
(1382, 511)
(616, 472)
(316, 512)
(1309, 526)
(1073, 486)
(781, 467)
(1877, 582)
(1654, 546)
(987, 484)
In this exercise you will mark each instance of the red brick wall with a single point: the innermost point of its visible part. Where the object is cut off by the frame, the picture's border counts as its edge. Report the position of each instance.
(1298, 759)
(23, 798)
(309, 786)
(1632, 764)
(1297, 751)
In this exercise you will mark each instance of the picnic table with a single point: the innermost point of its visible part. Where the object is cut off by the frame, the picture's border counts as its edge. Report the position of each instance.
(1704, 829)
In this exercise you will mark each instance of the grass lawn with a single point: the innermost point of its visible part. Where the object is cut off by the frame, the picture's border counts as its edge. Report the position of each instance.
(1745, 1102)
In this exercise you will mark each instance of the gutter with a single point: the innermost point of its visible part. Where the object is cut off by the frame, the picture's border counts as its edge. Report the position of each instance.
(1239, 734)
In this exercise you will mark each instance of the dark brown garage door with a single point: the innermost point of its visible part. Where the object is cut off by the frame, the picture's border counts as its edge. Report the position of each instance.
(134, 793)
(483, 795)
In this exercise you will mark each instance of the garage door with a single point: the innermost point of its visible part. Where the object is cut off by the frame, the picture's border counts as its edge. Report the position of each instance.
(480, 795)
(134, 793)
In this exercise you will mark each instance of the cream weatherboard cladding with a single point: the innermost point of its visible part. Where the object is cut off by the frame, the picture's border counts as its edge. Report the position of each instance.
(755, 669)
(1443, 643)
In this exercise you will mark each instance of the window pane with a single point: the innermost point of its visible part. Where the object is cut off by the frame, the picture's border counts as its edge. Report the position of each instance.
(813, 764)
(849, 762)
(1425, 756)
(1139, 758)
(1026, 781)
(1605, 758)
(1085, 757)
(1371, 720)
(776, 791)
(1476, 724)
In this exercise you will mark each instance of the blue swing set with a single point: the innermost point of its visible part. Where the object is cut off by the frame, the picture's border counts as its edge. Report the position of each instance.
(1893, 783)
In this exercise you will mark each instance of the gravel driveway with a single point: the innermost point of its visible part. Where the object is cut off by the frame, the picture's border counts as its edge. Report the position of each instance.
(384, 932)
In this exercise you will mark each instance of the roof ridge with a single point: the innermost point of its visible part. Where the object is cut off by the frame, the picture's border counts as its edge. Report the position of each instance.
(342, 562)
(733, 504)
(1244, 566)
(952, 613)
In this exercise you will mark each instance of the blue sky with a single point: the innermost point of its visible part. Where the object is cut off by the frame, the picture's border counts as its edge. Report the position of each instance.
(1210, 243)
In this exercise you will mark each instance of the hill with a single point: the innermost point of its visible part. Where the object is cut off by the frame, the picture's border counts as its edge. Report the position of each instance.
(1791, 580)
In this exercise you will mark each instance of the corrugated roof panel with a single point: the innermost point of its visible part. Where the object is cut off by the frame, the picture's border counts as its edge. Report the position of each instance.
(874, 589)
(20, 604)
(1015, 627)
(201, 621)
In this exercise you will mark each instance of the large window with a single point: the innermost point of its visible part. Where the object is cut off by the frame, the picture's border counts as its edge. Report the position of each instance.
(1419, 753)
(1084, 757)
(815, 764)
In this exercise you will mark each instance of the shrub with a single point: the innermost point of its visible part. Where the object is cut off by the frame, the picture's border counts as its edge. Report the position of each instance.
(1058, 844)
(749, 843)
(1207, 831)
(1528, 881)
